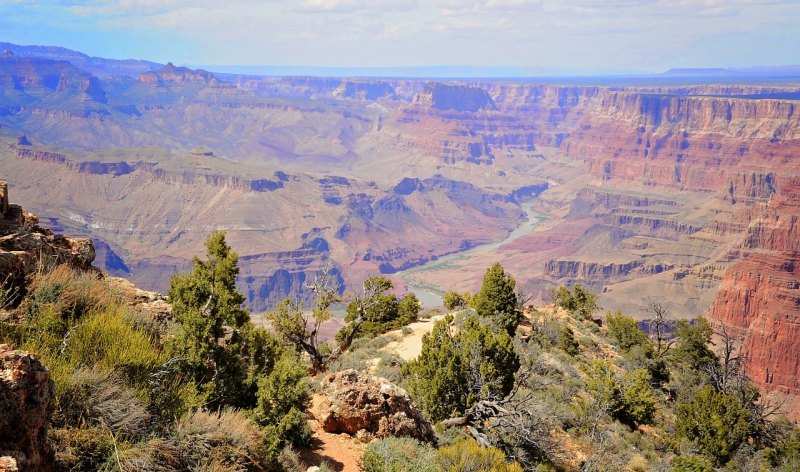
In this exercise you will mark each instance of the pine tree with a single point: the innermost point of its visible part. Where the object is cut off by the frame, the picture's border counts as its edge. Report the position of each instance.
(497, 300)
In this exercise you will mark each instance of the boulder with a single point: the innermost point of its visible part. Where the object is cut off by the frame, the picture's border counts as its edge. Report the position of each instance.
(27, 399)
(367, 406)
(8, 464)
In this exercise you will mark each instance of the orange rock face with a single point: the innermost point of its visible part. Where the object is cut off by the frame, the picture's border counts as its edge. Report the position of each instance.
(760, 295)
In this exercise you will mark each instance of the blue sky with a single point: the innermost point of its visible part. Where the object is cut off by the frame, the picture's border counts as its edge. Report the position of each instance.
(535, 35)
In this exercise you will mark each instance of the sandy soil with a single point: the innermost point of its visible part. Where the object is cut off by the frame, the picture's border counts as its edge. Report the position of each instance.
(410, 345)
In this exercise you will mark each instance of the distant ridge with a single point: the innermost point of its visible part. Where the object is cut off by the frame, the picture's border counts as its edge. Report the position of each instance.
(102, 67)
(97, 66)
(789, 71)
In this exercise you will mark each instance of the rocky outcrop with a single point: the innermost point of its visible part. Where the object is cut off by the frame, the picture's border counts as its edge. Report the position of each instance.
(37, 77)
(27, 399)
(365, 90)
(3, 198)
(458, 98)
(25, 247)
(590, 270)
(358, 404)
(172, 75)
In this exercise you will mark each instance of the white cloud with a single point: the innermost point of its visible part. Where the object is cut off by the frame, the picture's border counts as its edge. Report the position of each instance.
(653, 34)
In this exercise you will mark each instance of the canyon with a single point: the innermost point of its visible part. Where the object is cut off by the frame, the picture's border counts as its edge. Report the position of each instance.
(686, 192)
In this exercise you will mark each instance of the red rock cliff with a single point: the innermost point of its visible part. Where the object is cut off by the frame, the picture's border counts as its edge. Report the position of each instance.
(760, 295)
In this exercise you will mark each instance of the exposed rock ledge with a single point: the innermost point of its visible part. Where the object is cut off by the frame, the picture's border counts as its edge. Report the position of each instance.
(25, 247)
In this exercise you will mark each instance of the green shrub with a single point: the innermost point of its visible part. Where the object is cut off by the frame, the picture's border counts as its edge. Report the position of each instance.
(390, 367)
(567, 342)
(638, 402)
(625, 332)
(280, 400)
(72, 294)
(577, 301)
(691, 463)
(784, 455)
(715, 422)
(82, 449)
(399, 455)
(454, 301)
(109, 341)
(627, 398)
(468, 456)
(385, 313)
(693, 341)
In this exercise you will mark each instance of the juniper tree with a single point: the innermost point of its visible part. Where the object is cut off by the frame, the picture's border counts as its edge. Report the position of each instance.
(497, 300)
(715, 422)
(217, 345)
(300, 328)
(455, 370)
(210, 310)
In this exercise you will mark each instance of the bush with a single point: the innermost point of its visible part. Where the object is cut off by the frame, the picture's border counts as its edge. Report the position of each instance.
(97, 398)
(86, 448)
(625, 332)
(567, 342)
(281, 397)
(628, 398)
(578, 301)
(693, 341)
(454, 301)
(109, 341)
(468, 456)
(691, 463)
(390, 367)
(385, 313)
(715, 422)
(71, 293)
(225, 441)
(638, 403)
(399, 455)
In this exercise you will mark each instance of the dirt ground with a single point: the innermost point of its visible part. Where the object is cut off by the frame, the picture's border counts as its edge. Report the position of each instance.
(409, 346)
(341, 452)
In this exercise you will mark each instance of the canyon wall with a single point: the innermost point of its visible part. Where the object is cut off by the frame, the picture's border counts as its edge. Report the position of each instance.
(652, 190)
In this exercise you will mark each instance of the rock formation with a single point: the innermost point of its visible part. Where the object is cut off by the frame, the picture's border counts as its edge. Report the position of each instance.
(25, 247)
(27, 396)
(365, 406)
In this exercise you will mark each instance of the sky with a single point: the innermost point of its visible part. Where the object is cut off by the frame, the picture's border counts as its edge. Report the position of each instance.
(535, 36)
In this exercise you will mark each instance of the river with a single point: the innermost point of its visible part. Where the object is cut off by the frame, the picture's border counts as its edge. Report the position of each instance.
(430, 295)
